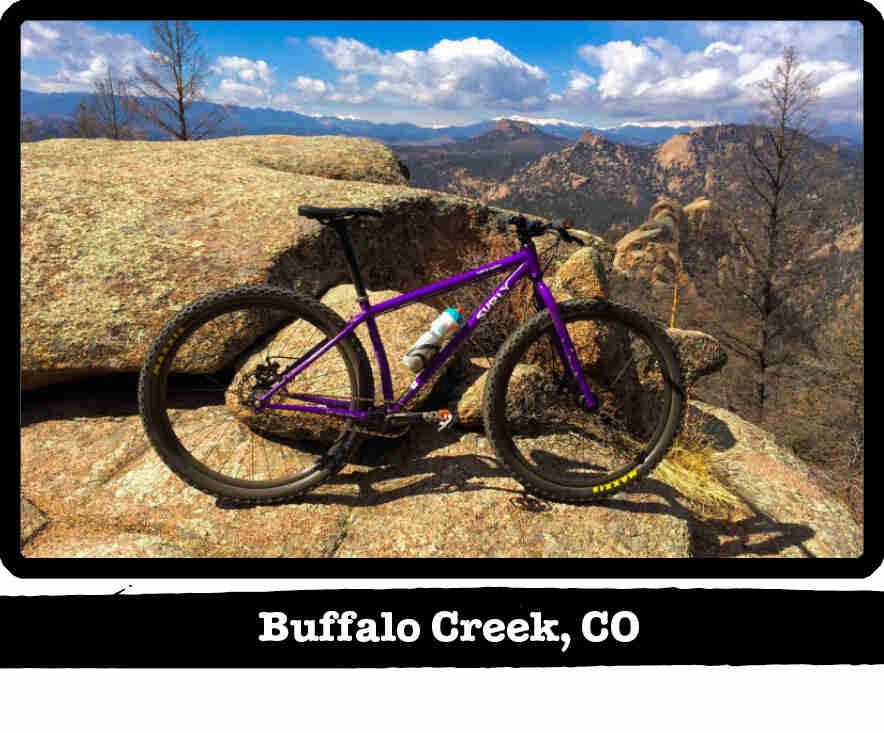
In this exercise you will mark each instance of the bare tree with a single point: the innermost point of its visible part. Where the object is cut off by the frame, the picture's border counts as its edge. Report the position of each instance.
(115, 108)
(766, 195)
(84, 122)
(30, 129)
(173, 80)
(108, 112)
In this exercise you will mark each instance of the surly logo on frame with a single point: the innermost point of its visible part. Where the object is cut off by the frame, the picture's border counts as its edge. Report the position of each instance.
(492, 301)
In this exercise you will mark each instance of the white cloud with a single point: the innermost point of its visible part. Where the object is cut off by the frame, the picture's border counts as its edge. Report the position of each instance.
(760, 71)
(539, 120)
(451, 74)
(37, 39)
(44, 31)
(713, 49)
(812, 37)
(245, 82)
(580, 81)
(311, 88)
(706, 83)
(82, 52)
(625, 66)
(234, 92)
(245, 69)
(465, 79)
(842, 83)
(654, 77)
(666, 123)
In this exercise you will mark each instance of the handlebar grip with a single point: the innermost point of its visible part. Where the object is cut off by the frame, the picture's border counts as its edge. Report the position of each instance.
(534, 228)
(562, 228)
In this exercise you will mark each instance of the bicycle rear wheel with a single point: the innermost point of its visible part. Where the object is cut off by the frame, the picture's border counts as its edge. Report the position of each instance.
(196, 389)
(535, 417)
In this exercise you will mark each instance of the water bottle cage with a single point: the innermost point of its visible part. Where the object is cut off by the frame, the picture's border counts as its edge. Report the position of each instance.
(427, 346)
(421, 353)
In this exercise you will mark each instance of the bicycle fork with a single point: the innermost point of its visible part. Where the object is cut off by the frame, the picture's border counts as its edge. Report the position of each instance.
(564, 346)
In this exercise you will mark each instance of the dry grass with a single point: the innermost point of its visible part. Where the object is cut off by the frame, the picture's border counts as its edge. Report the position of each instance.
(692, 469)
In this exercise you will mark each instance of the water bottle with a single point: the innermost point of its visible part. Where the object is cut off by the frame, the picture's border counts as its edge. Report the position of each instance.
(427, 346)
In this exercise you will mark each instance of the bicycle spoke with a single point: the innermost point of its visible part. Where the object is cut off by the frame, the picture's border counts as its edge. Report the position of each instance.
(213, 374)
(551, 431)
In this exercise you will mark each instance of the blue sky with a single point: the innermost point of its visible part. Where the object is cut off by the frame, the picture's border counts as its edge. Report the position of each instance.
(595, 73)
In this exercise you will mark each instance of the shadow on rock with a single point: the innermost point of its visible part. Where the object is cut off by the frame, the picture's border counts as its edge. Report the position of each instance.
(706, 534)
(406, 467)
(713, 428)
(114, 395)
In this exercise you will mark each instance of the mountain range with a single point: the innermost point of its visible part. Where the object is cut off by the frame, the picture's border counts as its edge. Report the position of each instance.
(604, 186)
(53, 108)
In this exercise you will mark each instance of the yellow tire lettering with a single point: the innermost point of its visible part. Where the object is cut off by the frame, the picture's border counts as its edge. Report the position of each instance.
(617, 482)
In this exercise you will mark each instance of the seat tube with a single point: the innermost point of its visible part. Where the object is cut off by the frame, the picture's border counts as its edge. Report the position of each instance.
(379, 352)
(362, 297)
(340, 228)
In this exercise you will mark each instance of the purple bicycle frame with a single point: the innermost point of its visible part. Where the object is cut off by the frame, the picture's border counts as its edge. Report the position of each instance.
(524, 262)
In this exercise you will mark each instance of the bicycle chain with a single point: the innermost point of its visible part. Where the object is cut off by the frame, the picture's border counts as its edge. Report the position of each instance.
(245, 394)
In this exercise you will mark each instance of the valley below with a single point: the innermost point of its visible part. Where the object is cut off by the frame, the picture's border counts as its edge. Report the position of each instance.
(814, 392)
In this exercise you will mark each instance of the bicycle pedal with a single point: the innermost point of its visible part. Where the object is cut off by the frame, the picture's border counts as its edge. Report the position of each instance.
(443, 418)
(446, 418)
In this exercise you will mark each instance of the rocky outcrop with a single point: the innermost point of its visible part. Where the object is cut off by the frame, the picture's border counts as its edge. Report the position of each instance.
(583, 275)
(591, 138)
(513, 128)
(785, 512)
(101, 491)
(653, 252)
(118, 236)
(32, 520)
(700, 353)
(676, 152)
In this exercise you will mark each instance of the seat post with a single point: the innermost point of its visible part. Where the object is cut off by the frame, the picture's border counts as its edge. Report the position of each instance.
(340, 226)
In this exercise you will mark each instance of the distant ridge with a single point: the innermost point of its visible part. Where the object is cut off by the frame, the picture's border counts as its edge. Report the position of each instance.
(511, 136)
(51, 109)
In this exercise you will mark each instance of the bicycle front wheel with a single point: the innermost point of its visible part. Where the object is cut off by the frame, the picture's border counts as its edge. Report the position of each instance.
(537, 421)
(197, 392)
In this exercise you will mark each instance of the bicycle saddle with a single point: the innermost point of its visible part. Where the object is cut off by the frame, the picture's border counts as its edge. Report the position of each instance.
(315, 212)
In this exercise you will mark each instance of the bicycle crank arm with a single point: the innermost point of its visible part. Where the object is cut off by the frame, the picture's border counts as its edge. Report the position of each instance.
(443, 418)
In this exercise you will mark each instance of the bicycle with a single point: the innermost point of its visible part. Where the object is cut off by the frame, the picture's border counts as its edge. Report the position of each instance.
(584, 398)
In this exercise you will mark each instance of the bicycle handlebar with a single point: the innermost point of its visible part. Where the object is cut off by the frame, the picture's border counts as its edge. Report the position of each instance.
(530, 229)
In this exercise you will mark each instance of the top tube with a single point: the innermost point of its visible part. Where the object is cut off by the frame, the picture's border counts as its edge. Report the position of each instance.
(451, 283)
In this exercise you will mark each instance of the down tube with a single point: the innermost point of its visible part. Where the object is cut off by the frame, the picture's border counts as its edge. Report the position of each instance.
(490, 302)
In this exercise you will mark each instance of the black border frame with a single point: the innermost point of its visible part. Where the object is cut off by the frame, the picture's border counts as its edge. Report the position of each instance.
(18, 565)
